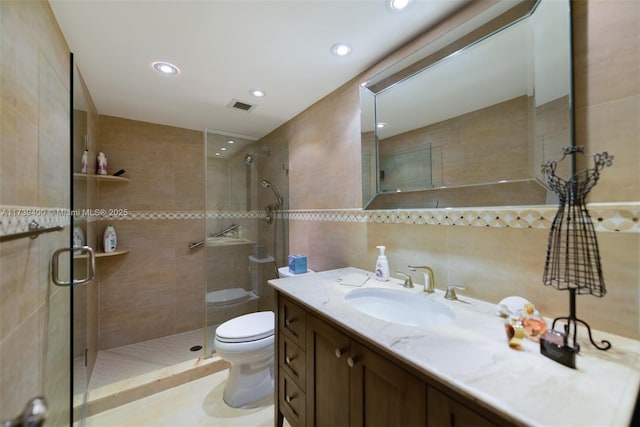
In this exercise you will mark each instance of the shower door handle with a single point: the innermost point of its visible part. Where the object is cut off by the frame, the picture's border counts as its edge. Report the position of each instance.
(33, 415)
(91, 261)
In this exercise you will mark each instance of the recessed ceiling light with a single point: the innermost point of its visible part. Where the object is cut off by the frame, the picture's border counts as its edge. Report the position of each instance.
(166, 68)
(223, 148)
(257, 93)
(398, 5)
(217, 154)
(231, 141)
(340, 49)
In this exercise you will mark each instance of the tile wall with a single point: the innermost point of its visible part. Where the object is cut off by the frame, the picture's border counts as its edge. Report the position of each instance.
(34, 147)
(492, 262)
(158, 288)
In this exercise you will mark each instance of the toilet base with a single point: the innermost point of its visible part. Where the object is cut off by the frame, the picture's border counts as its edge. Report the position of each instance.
(248, 385)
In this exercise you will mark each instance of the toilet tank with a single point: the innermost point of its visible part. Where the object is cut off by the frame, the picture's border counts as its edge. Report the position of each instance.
(262, 270)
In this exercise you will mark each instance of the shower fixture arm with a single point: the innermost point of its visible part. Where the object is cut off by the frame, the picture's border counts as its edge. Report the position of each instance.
(279, 198)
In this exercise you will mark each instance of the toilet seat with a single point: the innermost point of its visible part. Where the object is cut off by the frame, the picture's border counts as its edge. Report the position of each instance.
(227, 296)
(249, 327)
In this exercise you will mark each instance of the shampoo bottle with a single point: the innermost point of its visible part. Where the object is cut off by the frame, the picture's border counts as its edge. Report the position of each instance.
(382, 265)
(110, 240)
(85, 155)
(78, 239)
(85, 159)
(102, 164)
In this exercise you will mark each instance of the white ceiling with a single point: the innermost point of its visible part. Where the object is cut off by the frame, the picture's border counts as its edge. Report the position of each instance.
(226, 48)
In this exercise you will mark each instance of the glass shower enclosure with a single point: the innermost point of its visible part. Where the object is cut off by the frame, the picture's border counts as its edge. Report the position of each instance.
(239, 258)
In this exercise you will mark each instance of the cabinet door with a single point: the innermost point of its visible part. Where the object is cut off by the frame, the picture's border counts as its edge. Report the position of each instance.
(382, 394)
(442, 411)
(327, 375)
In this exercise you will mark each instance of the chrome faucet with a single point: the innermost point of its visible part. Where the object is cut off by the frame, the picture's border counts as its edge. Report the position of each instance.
(408, 281)
(429, 280)
(451, 294)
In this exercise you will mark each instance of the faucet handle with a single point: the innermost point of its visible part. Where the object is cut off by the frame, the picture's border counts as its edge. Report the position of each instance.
(408, 280)
(451, 293)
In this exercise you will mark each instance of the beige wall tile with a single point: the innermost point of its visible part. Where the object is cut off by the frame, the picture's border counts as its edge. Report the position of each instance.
(22, 373)
(606, 51)
(34, 133)
(491, 262)
(164, 164)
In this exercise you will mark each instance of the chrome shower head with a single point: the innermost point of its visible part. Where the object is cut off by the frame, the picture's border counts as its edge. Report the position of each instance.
(248, 159)
(267, 184)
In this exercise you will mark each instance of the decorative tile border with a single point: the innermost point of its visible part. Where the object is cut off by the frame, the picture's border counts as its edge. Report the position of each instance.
(607, 217)
(16, 219)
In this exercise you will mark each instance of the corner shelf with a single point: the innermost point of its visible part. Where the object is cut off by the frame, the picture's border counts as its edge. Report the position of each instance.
(114, 253)
(100, 178)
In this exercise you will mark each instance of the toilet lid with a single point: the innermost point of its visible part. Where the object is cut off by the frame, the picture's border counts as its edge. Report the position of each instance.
(227, 296)
(249, 327)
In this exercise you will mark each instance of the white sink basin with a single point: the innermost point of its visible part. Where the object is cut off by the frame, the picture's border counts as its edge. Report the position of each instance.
(396, 306)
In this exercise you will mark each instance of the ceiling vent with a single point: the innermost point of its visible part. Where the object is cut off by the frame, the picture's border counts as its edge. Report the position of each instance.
(239, 105)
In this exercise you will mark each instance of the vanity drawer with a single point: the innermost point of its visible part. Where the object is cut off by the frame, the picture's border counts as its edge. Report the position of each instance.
(292, 360)
(292, 320)
(292, 400)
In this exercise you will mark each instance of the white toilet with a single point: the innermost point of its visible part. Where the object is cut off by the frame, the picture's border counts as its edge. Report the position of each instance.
(247, 343)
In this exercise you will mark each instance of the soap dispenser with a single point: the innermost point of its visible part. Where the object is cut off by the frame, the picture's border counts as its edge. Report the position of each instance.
(382, 265)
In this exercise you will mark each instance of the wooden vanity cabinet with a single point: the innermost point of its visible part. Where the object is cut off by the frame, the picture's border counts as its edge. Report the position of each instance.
(343, 382)
(444, 411)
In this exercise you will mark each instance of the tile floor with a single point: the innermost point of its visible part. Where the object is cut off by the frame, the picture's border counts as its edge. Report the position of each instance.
(197, 403)
(120, 363)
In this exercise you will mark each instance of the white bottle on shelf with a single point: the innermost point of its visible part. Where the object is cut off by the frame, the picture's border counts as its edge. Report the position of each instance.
(78, 239)
(110, 239)
(101, 164)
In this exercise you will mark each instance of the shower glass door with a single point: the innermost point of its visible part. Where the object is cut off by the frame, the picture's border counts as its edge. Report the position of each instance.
(83, 296)
(231, 228)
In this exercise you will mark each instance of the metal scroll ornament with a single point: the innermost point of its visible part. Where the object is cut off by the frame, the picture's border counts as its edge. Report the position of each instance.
(573, 258)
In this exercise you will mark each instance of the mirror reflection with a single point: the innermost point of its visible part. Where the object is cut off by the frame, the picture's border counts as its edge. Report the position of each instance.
(472, 127)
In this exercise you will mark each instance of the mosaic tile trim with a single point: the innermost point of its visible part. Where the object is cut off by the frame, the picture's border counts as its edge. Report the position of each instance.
(16, 219)
(606, 218)
(126, 215)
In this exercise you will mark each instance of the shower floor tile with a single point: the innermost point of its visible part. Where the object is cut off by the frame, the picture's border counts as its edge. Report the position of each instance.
(120, 363)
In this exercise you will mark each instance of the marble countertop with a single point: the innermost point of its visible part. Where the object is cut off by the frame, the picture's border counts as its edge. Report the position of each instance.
(471, 356)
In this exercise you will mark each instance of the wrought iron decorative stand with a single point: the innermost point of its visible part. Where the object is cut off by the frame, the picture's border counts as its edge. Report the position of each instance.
(573, 259)
(571, 327)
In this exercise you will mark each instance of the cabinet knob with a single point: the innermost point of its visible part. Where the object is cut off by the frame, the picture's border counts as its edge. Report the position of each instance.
(289, 398)
(288, 322)
(351, 361)
(339, 353)
(288, 359)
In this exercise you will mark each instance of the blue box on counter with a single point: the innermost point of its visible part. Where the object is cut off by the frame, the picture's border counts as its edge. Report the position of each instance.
(297, 264)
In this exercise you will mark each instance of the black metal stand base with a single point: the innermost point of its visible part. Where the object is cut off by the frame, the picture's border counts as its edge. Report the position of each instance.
(572, 323)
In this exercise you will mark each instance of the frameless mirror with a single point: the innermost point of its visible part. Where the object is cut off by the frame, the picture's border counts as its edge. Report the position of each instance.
(469, 119)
